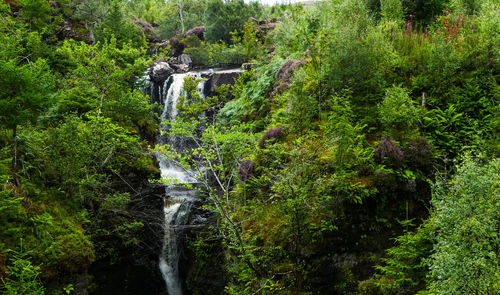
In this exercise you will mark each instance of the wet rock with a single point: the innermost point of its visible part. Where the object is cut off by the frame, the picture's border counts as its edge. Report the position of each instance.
(160, 71)
(79, 281)
(133, 269)
(179, 67)
(218, 78)
(205, 273)
(185, 59)
(182, 63)
(248, 66)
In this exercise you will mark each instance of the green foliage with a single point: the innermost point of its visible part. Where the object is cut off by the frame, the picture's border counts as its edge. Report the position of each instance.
(465, 226)
(391, 10)
(352, 149)
(398, 111)
(82, 153)
(405, 268)
(12, 214)
(24, 91)
(193, 14)
(423, 10)
(151, 11)
(192, 104)
(101, 81)
(218, 54)
(36, 12)
(292, 207)
(59, 244)
(224, 17)
(251, 102)
(448, 129)
(304, 108)
(106, 20)
(23, 277)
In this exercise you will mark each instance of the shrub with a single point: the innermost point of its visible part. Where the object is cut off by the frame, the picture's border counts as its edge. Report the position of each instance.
(419, 153)
(23, 277)
(465, 225)
(270, 134)
(397, 110)
(286, 70)
(197, 31)
(246, 170)
(389, 154)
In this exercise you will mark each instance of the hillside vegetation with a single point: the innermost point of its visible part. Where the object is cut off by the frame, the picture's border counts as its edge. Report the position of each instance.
(357, 154)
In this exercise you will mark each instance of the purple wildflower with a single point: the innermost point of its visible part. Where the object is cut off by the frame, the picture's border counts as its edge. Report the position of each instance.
(388, 153)
(270, 134)
(246, 170)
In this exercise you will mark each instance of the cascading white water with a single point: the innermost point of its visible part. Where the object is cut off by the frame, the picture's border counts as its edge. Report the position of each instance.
(169, 170)
(177, 200)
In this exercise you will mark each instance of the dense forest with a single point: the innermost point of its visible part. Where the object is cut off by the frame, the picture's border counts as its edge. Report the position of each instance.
(356, 152)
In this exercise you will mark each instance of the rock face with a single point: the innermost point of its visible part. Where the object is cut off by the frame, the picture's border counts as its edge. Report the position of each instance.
(176, 46)
(134, 268)
(202, 268)
(185, 59)
(182, 63)
(218, 78)
(160, 72)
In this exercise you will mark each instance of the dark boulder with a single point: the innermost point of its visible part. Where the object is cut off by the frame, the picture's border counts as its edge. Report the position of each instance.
(176, 46)
(182, 63)
(218, 78)
(160, 71)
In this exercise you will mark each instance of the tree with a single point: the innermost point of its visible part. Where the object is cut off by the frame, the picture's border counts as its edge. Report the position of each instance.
(23, 277)
(101, 81)
(24, 94)
(465, 225)
(397, 111)
(228, 16)
(25, 79)
(106, 20)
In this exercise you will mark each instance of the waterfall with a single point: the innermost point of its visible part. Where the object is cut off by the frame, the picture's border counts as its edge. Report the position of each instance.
(177, 199)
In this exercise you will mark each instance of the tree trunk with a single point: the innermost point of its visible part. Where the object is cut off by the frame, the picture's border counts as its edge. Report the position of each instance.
(14, 156)
(14, 149)
(180, 15)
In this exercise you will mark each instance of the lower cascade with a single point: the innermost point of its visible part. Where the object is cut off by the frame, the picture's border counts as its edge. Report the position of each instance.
(177, 200)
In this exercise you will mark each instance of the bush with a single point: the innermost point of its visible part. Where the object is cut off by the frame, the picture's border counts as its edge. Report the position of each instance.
(465, 225)
(271, 133)
(418, 154)
(23, 277)
(246, 170)
(397, 110)
(389, 154)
